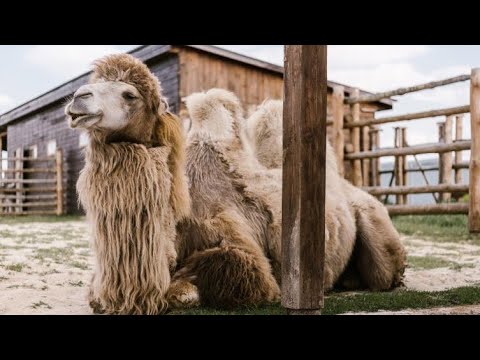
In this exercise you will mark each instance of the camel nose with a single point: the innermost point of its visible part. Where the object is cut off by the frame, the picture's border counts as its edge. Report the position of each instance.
(83, 92)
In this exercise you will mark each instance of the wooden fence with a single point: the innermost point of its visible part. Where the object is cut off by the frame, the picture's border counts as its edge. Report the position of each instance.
(32, 185)
(363, 152)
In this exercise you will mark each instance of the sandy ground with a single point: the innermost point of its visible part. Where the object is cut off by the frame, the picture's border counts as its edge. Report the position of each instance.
(45, 268)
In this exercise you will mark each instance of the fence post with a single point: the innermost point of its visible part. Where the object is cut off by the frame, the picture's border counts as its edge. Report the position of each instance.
(474, 194)
(366, 161)
(59, 180)
(355, 136)
(398, 165)
(338, 135)
(458, 154)
(18, 176)
(404, 163)
(447, 161)
(303, 191)
(441, 140)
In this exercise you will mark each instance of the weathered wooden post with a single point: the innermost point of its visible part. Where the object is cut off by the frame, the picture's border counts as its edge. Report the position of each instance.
(59, 180)
(303, 202)
(458, 154)
(403, 139)
(366, 161)
(18, 154)
(338, 135)
(398, 165)
(355, 138)
(441, 140)
(447, 161)
(474, 194)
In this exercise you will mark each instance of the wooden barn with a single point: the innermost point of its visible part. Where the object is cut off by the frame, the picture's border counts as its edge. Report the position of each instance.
(38, 174)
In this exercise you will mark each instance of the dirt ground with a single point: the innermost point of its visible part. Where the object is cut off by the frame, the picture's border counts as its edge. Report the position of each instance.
(45, 268)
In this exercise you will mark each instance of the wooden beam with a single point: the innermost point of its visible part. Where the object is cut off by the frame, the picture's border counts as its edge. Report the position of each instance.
(31, 204)
(32, 212)
(398, 164)
(405, 90)
(447, 158)
(338, 136)
(474, 197)
(27, 181)
(441, 166)
(355, 139)
(25, 190)
(436, 209)
(18, 177)
(413, 116)
(403, 139)
(365, 162)
(303, 200)
(411, 150)
(373, 190)
(458, 154)
(59, 180)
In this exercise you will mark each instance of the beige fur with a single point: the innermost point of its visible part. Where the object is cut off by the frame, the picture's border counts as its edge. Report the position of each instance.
(230, 248)
(379, 258)
(132, 187)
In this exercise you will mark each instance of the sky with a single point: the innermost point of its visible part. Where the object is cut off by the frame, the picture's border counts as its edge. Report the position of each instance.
(27, 71)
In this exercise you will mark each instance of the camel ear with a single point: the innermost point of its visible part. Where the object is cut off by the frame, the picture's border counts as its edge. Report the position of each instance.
(170, 133)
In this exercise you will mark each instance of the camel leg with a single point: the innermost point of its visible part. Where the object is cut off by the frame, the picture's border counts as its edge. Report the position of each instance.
(182, 294)
(380, 256)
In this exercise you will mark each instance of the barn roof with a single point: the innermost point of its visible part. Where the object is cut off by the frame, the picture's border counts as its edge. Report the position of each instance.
(148, 53)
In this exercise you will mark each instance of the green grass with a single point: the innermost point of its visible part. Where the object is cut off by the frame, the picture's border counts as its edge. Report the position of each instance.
(57, 254)
(445, 228)
(16, 267)
(46, 218)
(338, 303)
(428, 262)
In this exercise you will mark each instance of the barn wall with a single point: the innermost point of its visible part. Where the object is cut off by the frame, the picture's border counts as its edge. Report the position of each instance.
(202, 71)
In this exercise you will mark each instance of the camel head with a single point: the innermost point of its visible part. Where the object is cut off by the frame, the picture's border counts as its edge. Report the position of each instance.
(216, 113)
(122, 102)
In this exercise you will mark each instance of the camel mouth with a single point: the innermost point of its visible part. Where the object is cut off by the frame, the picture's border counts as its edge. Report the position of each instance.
(82, 120)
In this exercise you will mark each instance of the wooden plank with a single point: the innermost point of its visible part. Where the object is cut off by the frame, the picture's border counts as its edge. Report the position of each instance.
(31, 204)
(31, 170)
(403, 138)
(30, 197)
(474, 197)
(303, 201)
(436, 209)
(458, 154)
(27, 181)
(413, 116)
(396, 190)
(25, 190)
(398, 165)
(365, 162)
(23, 158)
(18, 176)
(355, 138)
(447, 160)
(59, 180)
(405, 90)
(338, 136)
(411, 150)
(32, 212)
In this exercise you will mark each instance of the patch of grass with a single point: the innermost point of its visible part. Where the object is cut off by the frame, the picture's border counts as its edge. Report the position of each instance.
(81, 245)
(446, 228)
(76, 283)
(49, 272)
(48, 219)
(57, 254)
(79, 265)
(18, 267)
(338, 303)
(40, 304)
(3, 278)
(427, 262)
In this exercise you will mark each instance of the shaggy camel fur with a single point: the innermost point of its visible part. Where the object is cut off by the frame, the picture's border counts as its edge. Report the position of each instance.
(132, 187)
(378, 260)
(230, 247)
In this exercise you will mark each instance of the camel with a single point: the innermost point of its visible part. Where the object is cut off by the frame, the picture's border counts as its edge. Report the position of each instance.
(229, 249)
(132, 187)
(378, 260)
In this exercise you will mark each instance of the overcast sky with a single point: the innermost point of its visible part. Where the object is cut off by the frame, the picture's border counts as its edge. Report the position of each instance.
(28, 71)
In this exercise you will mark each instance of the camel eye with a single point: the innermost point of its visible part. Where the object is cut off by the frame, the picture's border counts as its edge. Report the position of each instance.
(128, 96)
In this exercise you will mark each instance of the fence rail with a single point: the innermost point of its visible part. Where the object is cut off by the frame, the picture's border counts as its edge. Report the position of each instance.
(29, 196)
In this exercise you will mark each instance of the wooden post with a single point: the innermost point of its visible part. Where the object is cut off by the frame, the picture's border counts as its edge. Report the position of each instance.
(474, 195)
(398, 165)
(458, 154)
(403, 139)
(373, 163)
(447, 161)
(377, 160)
(338, 136)
(303, 198)
(365, 162)
(18, 154)
(355, 138)
(441, 140)
(59, 178)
